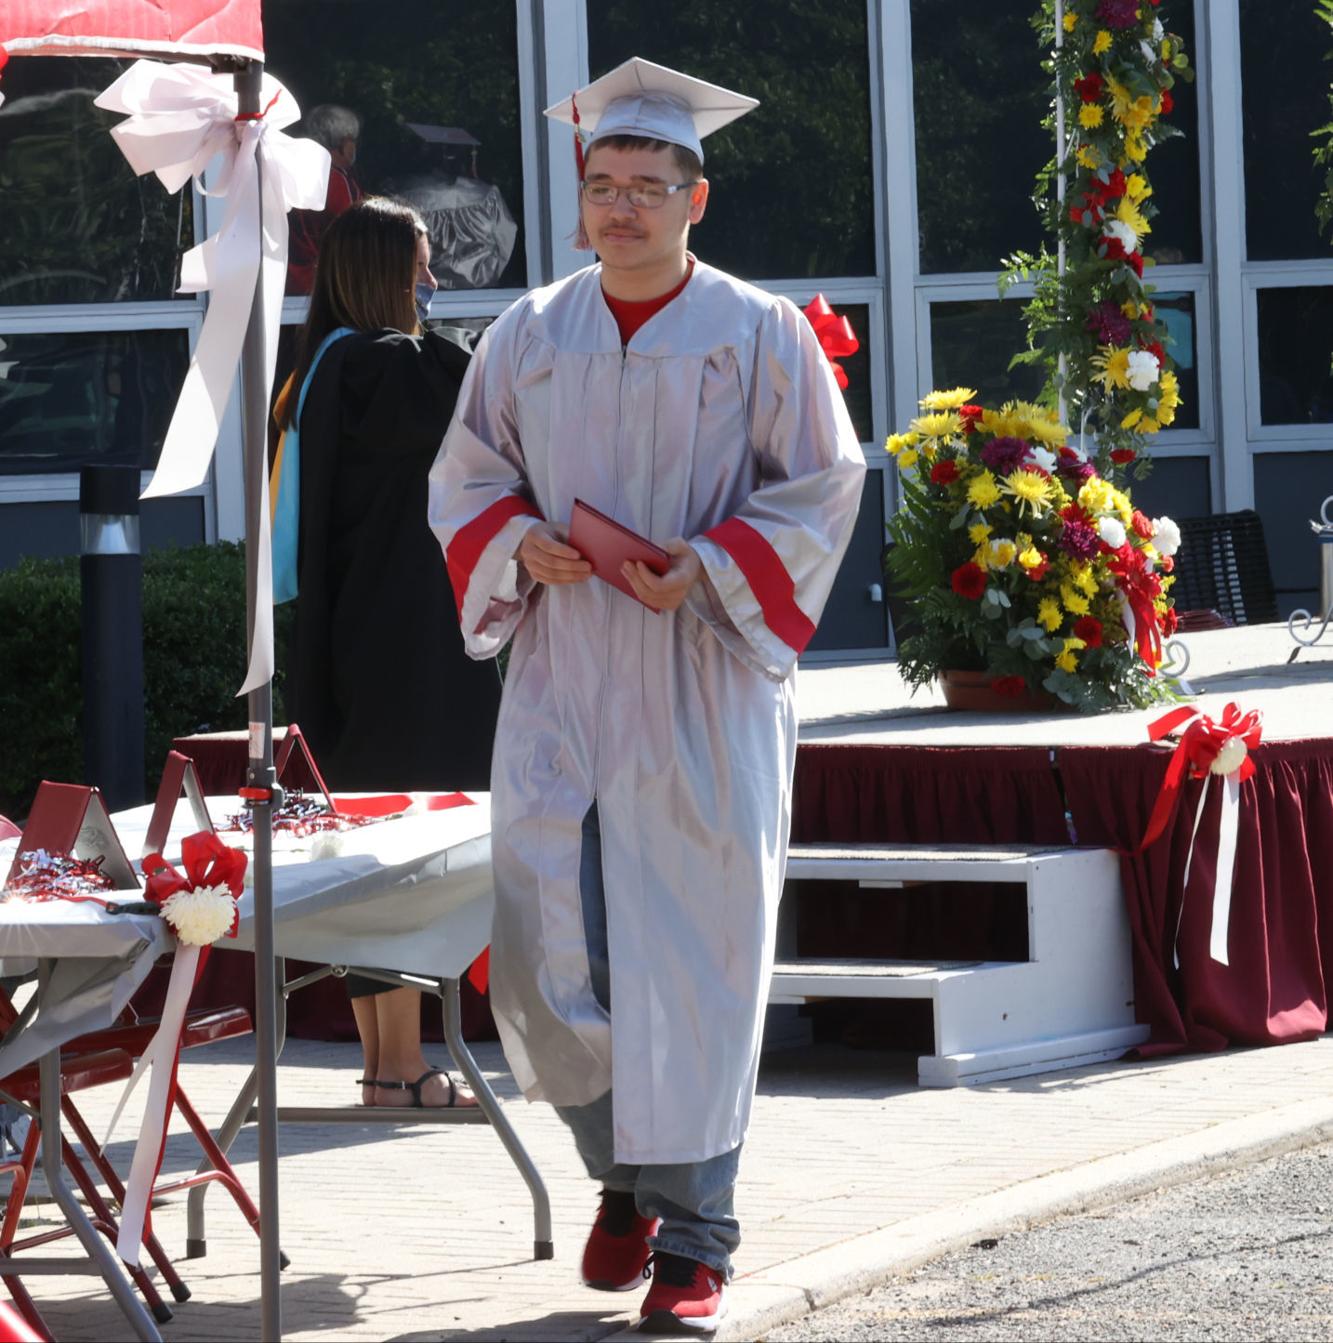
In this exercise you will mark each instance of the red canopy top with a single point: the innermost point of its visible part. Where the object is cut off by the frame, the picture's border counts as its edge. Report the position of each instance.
(198, 28)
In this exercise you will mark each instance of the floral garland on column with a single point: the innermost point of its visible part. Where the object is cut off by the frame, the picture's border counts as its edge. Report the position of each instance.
(1323, 152)
(1095, 327)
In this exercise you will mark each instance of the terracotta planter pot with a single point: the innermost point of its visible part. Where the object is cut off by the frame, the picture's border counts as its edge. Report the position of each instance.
(975, 690)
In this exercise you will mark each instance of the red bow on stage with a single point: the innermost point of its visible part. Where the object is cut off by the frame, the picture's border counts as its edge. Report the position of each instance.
(207, 862)
(836, 337)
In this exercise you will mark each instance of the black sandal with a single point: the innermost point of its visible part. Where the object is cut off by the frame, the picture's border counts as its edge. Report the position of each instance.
(372, 1083)
(415, 1088)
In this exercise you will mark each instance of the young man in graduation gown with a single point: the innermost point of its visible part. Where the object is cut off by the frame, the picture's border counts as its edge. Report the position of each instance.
(645, 748)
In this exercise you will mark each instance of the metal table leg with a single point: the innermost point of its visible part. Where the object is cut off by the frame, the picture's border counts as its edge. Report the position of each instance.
(100, 1260)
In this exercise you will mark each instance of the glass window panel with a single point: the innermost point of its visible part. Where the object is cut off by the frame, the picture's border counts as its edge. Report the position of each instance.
(1284, 97)
(1173, 166)
(1177, 486)
(78, 225)
(1295, 337)
(793, 181)
(972, 342)
(89, 397)
(859, 392)
(1176, 310)
(436, 91)
(980, 95)
(1289, 487)
(856, 615)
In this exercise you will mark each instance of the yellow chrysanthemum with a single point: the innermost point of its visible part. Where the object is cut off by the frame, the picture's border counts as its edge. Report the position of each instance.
(1031, 489)
(1094, 496)
(941, 425)
(1112, 365)
(1030, 557)
(1084, 579)
(1066, 659)
(981, 556)
(1088, 158)
(1136, 148)
(1071, 21)
(950, 400)
(1149, 425)
(979, 533)
(1137, 188)
(1130, 309)
(897, 442)
(1090, 116)
(1001, 553)
(1075, 602)
(1135, 114)
(1168, 396)
(1101, 43)
(1127, 212)
(907, 459)
(1049, 615)
(1131, 419)
(983, 491)
(1119, 503)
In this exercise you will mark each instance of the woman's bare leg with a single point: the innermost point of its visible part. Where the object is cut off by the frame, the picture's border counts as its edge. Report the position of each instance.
(368, 1028)
(400, 1056)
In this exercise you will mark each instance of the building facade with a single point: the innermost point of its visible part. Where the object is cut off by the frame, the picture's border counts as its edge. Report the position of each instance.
(889, 166)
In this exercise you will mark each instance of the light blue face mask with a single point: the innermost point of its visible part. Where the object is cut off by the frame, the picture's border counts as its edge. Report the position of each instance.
(421, 296)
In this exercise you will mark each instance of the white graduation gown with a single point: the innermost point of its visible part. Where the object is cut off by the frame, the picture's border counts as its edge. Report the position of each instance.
(720, 422)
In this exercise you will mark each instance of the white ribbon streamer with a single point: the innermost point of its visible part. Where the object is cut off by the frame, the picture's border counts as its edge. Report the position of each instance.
(181, 119)
(161, 1054)
(1228, 830)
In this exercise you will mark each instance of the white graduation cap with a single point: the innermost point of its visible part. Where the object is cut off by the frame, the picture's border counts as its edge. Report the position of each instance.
(640, 98)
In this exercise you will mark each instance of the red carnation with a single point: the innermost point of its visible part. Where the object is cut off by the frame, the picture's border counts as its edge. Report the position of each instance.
(1122, 456)
(1089, 629)
(1135, 262)
(969, 581)
(944, 472)
(1142, 525)
(1168, 102)
(1039, 571)
(1166, 563)
(1009, 686)
(1113, 249)
(970, 415)
(1169, 621)
(1154, 347)
(1115, 185)
(1090, 87)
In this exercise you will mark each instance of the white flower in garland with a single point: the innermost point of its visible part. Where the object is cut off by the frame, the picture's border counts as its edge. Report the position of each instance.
(201, 916)
(1112, 531)
(1044, 458)
(1144, 369)
(1166, 537)
(1123, 234)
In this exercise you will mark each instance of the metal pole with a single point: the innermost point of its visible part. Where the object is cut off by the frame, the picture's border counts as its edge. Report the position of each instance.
(1061, 260)
(261, 778)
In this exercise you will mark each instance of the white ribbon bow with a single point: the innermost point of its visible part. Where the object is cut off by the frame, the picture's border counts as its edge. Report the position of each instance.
(181, 119)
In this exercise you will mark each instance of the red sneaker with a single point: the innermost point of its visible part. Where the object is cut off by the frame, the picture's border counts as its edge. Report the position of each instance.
(686, 1297)
(616, 1255)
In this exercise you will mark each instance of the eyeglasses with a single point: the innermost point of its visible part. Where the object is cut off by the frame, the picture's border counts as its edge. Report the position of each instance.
(648, 196)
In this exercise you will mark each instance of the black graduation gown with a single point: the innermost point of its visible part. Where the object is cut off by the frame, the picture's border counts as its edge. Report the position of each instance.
(377, 675)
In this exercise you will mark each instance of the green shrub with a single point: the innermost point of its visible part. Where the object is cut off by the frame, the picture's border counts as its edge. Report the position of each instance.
(194, 661)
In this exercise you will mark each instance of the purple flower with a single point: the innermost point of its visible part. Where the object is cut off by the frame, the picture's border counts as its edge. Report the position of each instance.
(1079, 540)
(1118, 13)
(1110, 324)
(1004, 455)
(1077, 469)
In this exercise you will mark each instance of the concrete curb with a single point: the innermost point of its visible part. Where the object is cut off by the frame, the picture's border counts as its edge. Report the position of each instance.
(791, 1290)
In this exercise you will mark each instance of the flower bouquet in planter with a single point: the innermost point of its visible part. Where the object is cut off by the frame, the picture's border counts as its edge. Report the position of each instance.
(1021, 561)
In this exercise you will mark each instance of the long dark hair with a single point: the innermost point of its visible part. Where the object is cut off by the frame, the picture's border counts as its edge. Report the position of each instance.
(364, 278)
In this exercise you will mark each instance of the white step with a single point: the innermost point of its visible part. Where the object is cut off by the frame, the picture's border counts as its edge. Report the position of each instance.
(917, 862)
(800, 980)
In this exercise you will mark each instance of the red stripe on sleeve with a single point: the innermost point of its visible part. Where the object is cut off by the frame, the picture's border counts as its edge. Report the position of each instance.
(769, 580)
(470, 541)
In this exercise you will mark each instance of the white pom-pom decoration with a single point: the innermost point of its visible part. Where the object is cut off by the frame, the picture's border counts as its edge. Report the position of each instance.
(1166, 536)
(201, 916)
(1231, 756)
(326, 844)
(1112, 531)
(1144, 367)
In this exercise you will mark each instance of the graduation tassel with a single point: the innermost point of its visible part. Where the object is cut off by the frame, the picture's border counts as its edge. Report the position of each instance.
(581, 241)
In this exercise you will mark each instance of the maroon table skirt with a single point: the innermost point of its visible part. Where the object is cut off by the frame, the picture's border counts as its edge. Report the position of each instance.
(1281, 928)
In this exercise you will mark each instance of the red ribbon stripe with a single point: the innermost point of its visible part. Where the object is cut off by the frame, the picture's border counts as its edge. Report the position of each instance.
(769, 580)
(471, 540)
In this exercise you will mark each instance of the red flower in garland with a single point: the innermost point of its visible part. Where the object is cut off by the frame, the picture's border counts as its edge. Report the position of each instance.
(1168, 102)
(1038, 571)
(1165, 563)
(1089, 629)
(1115, 186)
(1169, 621)
(945, 472)
(1122, 456)
(1142, 525)
(1154, 347)
(969, 581)
(1090, 87)
(1009, 686)
(970, 416)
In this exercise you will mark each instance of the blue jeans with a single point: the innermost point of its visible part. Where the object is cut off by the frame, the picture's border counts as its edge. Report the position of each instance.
(694, 1199)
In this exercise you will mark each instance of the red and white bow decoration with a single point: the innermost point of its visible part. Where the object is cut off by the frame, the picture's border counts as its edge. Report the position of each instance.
(181, 118)
(836, 337)
(200, 905)
(1206, 749)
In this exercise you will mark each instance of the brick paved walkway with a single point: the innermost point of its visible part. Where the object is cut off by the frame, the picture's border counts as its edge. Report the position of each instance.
(424, 1233)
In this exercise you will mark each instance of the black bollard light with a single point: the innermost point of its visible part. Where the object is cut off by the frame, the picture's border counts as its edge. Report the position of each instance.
(111, 570)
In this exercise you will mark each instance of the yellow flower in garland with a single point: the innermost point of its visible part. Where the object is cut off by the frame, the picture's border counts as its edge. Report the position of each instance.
(979, 533)
(1127, 212)
(1084, 579)
(943, 424)
(907, 459)
(1001, 553)
(1030, 557)
(1094, 496)
(1136, 148)
(1148, 425)
(1088, 157)
(1030, 489)
(1132, 419)
(1137, 188)
(1112, 365)
(1135, 114)
(1007, 422)
(897, 442)
(982, 491)
(1067, 660)
(1101, 43)
(1119, 501)
(1168, 397)
(1039, 423)
(1075, 602)
(950, 400)
(1090, 116)
(1049, 615)
(1071, 21)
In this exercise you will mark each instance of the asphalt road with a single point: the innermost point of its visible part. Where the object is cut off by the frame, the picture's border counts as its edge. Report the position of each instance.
(1241, 1256)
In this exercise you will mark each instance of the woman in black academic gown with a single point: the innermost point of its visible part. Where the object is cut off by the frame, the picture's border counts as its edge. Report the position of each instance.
(377, 677)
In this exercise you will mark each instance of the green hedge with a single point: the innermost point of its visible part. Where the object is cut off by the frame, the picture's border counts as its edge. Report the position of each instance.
(194, 661)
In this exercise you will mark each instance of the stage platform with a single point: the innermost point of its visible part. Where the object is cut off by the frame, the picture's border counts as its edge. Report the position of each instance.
(869, 704)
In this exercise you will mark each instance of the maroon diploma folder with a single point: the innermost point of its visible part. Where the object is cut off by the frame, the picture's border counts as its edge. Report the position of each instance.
(606, 545)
